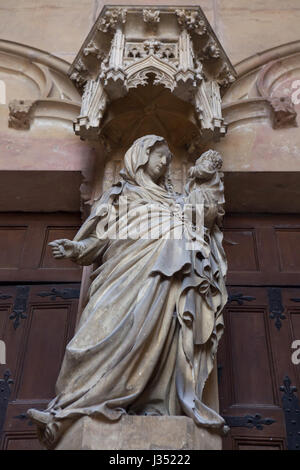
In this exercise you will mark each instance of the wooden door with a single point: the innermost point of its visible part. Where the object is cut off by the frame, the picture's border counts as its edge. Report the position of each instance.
(38, 308)
(262, 321)
(255, 358)
(36, 323)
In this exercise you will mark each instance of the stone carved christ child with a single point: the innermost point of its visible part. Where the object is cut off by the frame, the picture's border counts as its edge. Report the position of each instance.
(205, 186)
(147, 338)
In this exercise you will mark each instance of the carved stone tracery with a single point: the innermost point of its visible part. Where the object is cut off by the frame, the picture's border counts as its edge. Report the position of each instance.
(186, 59)
(166, 51)
(94, 100)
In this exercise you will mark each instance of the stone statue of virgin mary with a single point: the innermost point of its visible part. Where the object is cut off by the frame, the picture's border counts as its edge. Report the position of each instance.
(147, 338)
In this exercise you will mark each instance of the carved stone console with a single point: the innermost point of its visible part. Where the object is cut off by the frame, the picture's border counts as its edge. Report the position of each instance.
(173, 49)
(19, 114)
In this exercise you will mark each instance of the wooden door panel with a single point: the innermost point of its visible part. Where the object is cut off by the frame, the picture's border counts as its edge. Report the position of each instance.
(24, 252)
(262, 250)
(21, 441)
(241, 249)
(10, 332)
(258, 444)
(288, 243)
(35, 349)
(249, 344)
(13, 240)
(38, 373)
(254, 358)
(36, 321)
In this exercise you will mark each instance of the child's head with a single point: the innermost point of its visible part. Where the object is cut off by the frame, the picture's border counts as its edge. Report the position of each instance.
(211, 160)
(206, 165)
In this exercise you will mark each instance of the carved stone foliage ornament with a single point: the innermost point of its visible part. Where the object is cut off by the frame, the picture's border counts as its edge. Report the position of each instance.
(284, 113)
(19, 114)
(132, 47)
(192, 20)
(111, 18)
(151, 16)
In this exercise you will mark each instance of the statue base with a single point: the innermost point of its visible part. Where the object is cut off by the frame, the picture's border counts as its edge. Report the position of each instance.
(139, 433)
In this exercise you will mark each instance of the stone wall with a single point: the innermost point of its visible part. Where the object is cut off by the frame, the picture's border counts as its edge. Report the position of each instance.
(59, 26)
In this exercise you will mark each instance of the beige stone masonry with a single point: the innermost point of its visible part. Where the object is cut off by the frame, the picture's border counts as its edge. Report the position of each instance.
(139, 433)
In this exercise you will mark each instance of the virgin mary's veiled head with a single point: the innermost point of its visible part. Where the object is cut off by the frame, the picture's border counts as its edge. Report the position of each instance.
(149, 153)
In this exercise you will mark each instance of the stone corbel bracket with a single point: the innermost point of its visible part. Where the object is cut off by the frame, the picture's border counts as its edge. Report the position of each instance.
(23, 112)
(283, 109)
(129, 47)
(283, 112)
(20, 113)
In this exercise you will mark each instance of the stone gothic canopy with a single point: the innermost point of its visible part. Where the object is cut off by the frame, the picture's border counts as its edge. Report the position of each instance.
(171, 47)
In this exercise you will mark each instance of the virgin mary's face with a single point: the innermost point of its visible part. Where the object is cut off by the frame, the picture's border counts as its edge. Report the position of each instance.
(159, 161)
